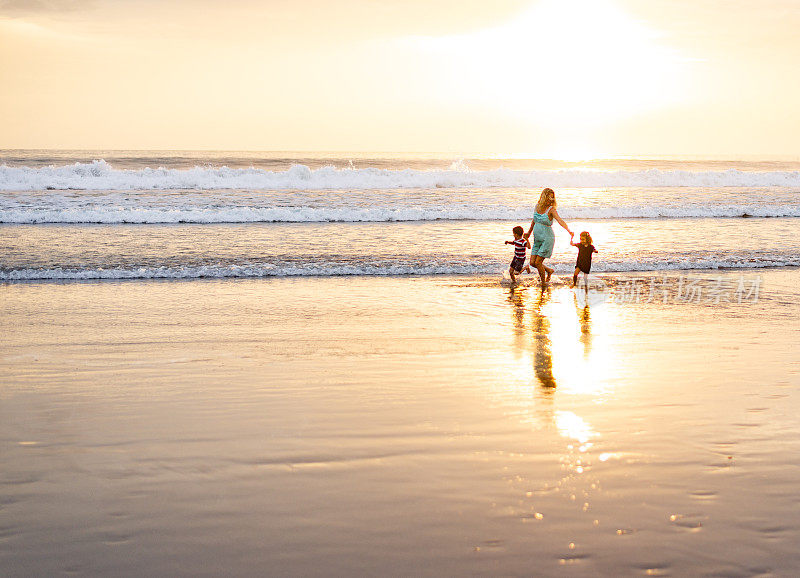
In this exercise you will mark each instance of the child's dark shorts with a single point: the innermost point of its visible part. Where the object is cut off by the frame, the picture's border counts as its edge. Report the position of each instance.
(518, 264)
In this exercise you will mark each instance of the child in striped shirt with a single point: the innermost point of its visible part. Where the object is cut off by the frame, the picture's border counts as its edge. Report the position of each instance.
(521, 245)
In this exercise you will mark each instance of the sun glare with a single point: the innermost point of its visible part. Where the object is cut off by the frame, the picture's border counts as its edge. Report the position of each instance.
(562, 64)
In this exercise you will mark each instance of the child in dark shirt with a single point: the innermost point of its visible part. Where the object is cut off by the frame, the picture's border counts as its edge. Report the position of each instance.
(585, 251)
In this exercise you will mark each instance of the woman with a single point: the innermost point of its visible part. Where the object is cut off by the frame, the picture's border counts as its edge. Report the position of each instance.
(543, 236)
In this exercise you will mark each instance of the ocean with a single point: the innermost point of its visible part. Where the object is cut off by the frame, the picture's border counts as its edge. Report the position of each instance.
(70, 215)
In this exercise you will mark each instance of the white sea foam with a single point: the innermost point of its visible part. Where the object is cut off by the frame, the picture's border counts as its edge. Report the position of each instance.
(457, 212)
(99, 175)
(365, 269)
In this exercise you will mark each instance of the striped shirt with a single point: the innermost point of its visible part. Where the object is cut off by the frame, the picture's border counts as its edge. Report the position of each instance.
(520, 247)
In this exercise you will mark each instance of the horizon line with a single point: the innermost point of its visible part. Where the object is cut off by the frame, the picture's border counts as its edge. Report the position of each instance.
(484, 155)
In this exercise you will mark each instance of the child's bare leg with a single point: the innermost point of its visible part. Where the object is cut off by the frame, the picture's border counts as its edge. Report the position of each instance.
(511, 274)
(549, 271)
(575, 277)
(537, 262)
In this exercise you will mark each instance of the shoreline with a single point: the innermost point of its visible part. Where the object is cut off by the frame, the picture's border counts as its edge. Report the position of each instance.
(485, 277)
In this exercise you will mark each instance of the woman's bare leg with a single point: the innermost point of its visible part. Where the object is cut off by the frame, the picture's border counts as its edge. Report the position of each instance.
(538, 262)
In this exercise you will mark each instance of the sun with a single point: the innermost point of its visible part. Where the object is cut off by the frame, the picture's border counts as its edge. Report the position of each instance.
(561, 64)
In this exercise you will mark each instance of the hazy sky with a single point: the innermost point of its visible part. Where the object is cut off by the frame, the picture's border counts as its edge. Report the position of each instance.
(545, 77)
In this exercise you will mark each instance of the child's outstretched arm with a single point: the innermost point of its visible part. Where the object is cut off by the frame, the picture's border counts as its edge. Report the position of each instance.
(561, 222)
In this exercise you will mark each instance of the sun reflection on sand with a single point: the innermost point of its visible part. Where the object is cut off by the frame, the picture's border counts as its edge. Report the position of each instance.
(554, 342)
(554, 350)
(572, 426)
(560, 354)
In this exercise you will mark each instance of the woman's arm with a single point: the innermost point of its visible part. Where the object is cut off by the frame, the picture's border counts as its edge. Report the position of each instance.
(561, 222)
(530, 229)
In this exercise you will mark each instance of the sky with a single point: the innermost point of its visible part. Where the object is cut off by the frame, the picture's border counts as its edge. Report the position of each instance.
(553, 78)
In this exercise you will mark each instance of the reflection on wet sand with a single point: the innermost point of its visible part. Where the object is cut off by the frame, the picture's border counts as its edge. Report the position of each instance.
(553, 349)
(542, 342)
(542, 345)
(550, 333)
(535, 339)
(585, 319)
(517, 298)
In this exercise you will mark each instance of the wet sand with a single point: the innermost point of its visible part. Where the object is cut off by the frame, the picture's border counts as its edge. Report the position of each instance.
(397, 426)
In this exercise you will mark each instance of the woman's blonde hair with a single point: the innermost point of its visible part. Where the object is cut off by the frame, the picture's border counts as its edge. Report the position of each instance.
(545, 202)
(587, 236)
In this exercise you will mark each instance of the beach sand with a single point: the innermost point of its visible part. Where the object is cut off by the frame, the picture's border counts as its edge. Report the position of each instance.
(421, 426)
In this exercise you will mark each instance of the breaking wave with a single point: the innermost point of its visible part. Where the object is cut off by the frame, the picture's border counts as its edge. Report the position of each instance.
(454, 212)
(257, 270)
(100, 175)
